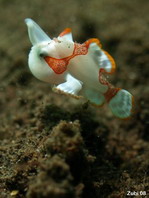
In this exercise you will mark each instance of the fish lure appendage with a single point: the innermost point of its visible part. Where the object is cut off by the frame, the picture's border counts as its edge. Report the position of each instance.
(76, 69)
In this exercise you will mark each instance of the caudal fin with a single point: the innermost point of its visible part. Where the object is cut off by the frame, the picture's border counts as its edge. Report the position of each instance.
(121, 104)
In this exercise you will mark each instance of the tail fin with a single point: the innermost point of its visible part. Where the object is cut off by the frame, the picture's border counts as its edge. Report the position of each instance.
(121, 104)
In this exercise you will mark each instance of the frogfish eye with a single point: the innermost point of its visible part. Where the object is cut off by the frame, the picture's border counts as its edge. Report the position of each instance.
(41, 54)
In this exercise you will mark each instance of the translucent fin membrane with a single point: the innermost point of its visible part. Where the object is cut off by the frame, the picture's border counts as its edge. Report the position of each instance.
(36, 34)
(121, 104)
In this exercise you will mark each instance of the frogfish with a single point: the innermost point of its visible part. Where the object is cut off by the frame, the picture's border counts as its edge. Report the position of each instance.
(77, 70)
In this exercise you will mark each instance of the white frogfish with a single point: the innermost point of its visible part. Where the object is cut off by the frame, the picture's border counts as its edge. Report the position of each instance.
(76, 69)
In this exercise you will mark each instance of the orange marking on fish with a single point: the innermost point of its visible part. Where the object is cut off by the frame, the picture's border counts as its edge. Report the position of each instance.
(66, 31)
(60, 65)
(93, 40)
(112, 91)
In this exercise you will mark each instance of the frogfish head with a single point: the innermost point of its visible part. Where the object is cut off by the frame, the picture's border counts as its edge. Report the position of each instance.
(44, 46)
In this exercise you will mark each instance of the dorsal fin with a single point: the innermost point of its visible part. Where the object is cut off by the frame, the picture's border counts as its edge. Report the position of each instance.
(103, 58)
(66, 34)
(36, 34)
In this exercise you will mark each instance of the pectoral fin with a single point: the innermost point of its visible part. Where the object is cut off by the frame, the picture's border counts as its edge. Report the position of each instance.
(71, 87)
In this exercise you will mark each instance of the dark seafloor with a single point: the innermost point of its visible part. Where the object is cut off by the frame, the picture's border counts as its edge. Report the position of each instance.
(54, 146)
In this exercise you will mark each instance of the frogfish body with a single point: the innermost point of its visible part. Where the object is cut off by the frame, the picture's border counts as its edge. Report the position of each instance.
(76, 69)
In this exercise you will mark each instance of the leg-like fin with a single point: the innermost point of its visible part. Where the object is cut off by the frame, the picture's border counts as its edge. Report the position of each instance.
(71, 87)
(121, 104)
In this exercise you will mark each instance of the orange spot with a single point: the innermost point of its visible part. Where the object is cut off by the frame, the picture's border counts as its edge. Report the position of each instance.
(66, 31)
(93, 40)
(60, 65)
